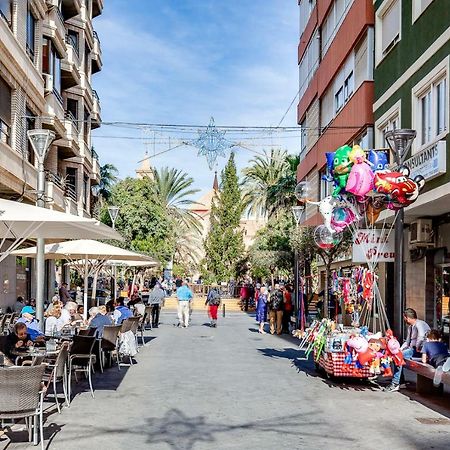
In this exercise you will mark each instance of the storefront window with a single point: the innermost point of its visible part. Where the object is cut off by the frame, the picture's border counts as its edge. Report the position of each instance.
(442, 278)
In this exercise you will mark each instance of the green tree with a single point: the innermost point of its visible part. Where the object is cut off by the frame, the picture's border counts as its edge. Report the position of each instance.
(142, 220)
(108, 177)
(224, 244)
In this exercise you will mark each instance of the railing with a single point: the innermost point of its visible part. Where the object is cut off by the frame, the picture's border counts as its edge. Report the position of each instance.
(73, 43)
(95, 94)
(96, 36)
(94, 154)
(55, 178)
(71, 192)
(69, 115)
(2, 15)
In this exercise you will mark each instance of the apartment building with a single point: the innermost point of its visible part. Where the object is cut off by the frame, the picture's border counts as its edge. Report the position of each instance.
(412, 68)
(335, 57)
(49, 52)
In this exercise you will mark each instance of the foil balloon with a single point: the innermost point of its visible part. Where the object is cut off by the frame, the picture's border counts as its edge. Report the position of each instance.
(401, 190)
(330, 160)
(341, 218)
(341, 168)
(373, 212)
(360, 179)
(378, 159)
(326, 206)
(326, 239)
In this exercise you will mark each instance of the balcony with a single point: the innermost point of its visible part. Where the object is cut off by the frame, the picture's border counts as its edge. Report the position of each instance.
(70, 72)
(96, 112)
(54, 28)
(54, 191)
(97, 8)
(54, 113)
(70, 8)
(96, 55)
(68, 144)
(87, 90)
(95, 174)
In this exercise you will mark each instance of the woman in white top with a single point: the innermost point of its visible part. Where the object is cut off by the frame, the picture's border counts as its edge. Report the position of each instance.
(55, 321)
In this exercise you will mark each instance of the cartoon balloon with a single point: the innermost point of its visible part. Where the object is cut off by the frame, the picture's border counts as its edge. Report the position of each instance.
(341, 168)
(378, 159)
(372, 212)
(360, 180)
(341, 218)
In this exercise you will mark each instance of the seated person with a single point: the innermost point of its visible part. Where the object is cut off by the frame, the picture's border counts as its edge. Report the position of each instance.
(70, 314)
(434, 351)
(100, 320)
(55, 321)
(33, 326)
(121, 312)
(18, 340)
(92, 313)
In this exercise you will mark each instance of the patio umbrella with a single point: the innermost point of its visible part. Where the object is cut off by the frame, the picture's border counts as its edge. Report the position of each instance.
(19, 221)
(93, 254)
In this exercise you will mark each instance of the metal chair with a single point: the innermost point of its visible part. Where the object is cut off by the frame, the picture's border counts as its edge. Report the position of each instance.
(131, 324)
(3, 323)
(148, 316)
(141, 327)
(108, 343)
(21, 397)
(87, 332)
(58, 374)
(81, 359)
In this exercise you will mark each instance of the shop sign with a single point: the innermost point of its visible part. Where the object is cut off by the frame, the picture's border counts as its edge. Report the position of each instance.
(373, 245)
(430, 162)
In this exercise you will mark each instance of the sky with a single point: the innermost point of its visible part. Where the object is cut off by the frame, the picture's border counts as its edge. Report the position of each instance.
(184, 61)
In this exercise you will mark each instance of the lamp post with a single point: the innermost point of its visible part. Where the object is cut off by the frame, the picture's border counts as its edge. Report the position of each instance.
(40, 141)
(399, 142)
(298, 212)
(113, 214)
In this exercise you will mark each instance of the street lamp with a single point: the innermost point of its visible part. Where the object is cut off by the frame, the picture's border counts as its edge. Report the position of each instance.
(113, 214)
(40, 141)
(298, 212)
(399, 142)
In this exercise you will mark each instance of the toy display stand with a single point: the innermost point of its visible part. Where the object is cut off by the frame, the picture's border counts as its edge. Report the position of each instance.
(332, 359)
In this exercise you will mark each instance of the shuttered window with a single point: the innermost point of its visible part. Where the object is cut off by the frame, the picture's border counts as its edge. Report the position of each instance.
(390, 24)
(5, 111)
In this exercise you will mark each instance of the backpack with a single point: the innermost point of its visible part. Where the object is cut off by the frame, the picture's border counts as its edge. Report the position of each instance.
(213, 297)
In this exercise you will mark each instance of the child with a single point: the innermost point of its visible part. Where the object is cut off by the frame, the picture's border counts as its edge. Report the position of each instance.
(435, 352)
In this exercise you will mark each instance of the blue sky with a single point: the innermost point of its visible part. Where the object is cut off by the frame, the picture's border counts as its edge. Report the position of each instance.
(183, 61)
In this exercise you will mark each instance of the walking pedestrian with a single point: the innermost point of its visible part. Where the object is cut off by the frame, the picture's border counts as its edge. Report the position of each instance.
(244, 296)
(156, 300)
(276, 310)
(184, 296)
(287, 308)
(213, 302)
(261, 309)
(64, 295)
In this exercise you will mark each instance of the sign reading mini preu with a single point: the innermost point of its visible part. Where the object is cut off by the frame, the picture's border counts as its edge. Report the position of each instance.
(373, 246)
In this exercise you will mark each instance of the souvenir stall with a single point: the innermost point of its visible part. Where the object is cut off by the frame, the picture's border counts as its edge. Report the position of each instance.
(359, 343)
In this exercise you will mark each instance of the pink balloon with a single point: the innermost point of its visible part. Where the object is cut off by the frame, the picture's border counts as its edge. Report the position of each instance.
(360, 180)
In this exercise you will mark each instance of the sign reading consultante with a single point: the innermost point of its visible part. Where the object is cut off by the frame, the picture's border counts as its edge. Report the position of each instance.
(430, 162)
(377, 245)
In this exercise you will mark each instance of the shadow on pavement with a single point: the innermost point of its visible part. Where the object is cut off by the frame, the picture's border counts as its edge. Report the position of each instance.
(181, 432)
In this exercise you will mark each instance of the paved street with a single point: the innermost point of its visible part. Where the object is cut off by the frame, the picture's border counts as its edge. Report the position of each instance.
(231, 388)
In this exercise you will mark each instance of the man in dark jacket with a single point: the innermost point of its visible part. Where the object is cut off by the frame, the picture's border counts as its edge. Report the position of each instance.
(276, 310)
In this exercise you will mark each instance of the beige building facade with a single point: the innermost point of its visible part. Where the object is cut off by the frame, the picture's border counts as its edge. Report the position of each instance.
(49, 53)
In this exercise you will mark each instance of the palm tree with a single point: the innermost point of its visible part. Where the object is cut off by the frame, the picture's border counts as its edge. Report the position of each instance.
(174, 188)
(108, 177)
(260, 177)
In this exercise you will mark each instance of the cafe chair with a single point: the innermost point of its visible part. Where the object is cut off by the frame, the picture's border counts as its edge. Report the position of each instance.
(81, 359)
(21, 397)
(131, 324)
(109, 343)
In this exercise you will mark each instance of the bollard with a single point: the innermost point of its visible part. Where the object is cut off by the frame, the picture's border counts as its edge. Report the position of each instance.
(223, 310)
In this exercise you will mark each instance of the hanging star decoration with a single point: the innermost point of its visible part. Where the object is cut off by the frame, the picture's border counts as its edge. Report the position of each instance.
(211, 143)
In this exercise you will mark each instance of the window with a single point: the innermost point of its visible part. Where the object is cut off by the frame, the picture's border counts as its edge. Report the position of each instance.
(74, 40)
(31, 33)
(30, 124)
(72, 110)
(303, 139)
(339, 99)
(86, 128)
(5, 112)
(431, 103)
(391, 124)
(306, 8)
(309, 63)
(85, 191)
(333, 21)
(71, 179)
(390, 26)
(6, 10)
(87, 60)
(419, 7)
(348, 86)
(51, 64)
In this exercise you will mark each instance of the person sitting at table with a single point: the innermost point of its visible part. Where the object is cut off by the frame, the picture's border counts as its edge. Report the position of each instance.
(121, 312)
(33, 326)
(70, 314)
(19, 340)
(92, 313)
(55, 321)
(100, 320)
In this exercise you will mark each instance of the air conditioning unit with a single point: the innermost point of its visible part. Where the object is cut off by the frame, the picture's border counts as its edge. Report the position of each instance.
(421, 231)
(48, 83)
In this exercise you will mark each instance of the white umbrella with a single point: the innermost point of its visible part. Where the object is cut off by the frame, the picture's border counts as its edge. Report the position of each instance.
(93, 253)
(19, 221)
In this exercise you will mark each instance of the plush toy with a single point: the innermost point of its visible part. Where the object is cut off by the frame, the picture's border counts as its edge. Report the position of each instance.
(393, 349)
(368, 286)
(399, 188)
(341, 168)
(363, 353)
(375, 364)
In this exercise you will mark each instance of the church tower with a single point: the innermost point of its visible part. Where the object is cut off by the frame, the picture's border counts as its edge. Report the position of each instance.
(145, 169)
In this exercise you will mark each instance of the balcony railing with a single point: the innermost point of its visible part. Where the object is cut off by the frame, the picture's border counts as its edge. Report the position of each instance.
(69, 115)
(5, 133)
(58, 180)
(94, 154)
(71, 40)
(96, 36)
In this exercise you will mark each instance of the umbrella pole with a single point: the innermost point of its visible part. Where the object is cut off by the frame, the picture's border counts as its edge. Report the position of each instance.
(86, 282)
(94, 285)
